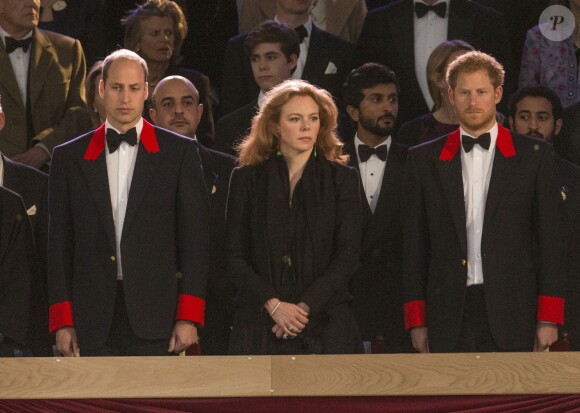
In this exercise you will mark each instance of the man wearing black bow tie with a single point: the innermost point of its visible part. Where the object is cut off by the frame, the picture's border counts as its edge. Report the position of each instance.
(41, 83)
(128, 235)
(403, 34)
(323, 59)
(484, 255)
(371, 96)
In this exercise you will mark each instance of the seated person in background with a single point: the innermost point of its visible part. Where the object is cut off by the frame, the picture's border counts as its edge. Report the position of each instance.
(156, 30)
(443, 119)
(343, 18)
(272, 49)
(323, 61)
(553, 63)
(42, 85)
(79, 19)
(403, 35)
(32, 186)
(17, 258)
(536, 111)
(175, 106)
(294, 229)
(95, 102)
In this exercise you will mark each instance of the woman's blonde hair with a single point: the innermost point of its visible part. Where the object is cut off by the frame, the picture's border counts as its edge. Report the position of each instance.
(437, 66)
(262, 141)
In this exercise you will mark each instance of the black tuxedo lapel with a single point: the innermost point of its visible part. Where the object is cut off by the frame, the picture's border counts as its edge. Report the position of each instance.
(451, 177)
(315, 66)
(40, 61)
(144, 173)
(353, 162)
(501, 174)
(97, 179)
(460, 24)
(8, 78)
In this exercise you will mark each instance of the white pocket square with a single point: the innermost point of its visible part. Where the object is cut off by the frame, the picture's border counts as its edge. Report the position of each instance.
(330, 69)
(31, 211)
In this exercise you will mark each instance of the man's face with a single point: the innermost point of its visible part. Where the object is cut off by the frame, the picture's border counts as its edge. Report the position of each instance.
(18, 17)
(378, 110)
(474, 99)
(270, 66)
(534, 118)
(124, 93)
(176, 107)
(295, 6)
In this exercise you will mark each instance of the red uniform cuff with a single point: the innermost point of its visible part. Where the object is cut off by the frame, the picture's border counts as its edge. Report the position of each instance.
(190, 308)
(551, 309)
(60, 315)
(415, 314)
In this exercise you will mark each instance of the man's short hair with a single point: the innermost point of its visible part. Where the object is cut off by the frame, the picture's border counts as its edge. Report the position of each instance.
(364, 77)
(537, 92)
(272, 32)
(123, 54)
(472, 62)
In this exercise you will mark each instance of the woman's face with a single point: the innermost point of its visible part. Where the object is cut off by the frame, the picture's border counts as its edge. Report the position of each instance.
(299, 126)
(97, 104)
(157, 39)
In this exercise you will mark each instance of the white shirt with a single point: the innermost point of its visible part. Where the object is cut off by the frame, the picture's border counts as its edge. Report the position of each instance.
(19, 61)
(120, 167)
(430, 30)
(371, 173)
(297, 74)
(476, 167)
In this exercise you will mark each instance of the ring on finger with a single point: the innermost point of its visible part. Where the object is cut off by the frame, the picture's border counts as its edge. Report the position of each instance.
(285, 336)
(290, 327)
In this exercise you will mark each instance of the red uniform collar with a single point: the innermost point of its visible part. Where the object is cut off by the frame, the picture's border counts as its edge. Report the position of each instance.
(97, 143)
(504, 143)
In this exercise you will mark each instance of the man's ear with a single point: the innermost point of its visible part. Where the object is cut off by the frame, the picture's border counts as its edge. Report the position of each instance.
(557, 126)
(153, 115)
(512, 123)
(353, 112)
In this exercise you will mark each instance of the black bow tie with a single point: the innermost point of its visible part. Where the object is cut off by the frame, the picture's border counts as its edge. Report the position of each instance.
(365, 152)
(302, 32)
(13, 44)
(421, 9)
(114, 139)
(483, 140)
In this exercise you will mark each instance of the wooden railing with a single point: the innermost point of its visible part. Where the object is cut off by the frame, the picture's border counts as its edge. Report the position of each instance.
(265, 376)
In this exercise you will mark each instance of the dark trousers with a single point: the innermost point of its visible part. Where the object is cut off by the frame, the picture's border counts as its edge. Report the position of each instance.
(475, 334)
(122, 341)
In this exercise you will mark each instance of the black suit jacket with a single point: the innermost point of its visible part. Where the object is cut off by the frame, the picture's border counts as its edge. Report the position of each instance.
(234, 126)
(217, 168)
(522, 244)
(32, 186)
(569, 178)
(377, 285)
(239, 87)
(387, 38)
(164, 241)
(17, 267)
